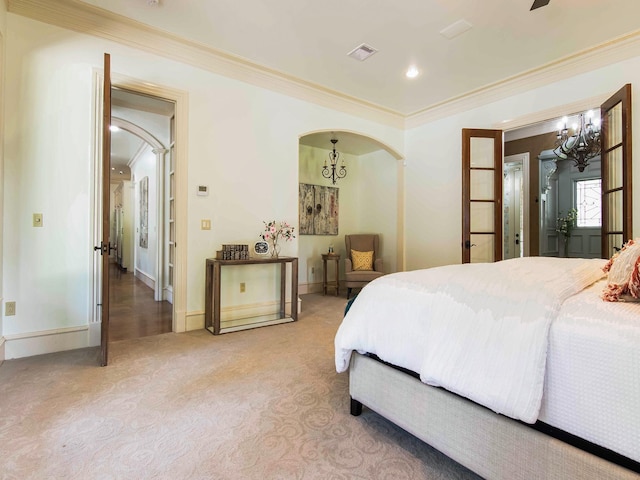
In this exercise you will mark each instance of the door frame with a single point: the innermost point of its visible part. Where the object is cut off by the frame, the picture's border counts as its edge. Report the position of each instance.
(180, 98)
(523, 160)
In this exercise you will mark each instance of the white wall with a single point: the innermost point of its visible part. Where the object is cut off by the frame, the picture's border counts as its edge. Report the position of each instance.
(145, 258)
(242, 142)
(433, 151)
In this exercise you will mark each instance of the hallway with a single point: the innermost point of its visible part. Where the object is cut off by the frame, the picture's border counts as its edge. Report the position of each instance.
(133, 312)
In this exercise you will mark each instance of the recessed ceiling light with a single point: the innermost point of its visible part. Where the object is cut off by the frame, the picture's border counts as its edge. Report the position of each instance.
(412, 72)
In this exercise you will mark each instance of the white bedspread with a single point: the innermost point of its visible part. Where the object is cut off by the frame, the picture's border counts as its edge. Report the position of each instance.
(479, 330)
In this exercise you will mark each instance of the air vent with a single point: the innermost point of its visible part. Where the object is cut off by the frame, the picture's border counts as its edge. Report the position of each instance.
(455, 29)
(362, 52)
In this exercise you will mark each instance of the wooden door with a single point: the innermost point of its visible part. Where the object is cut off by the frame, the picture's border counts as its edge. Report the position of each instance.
(616, 171)
(481, 195)
(106, 180)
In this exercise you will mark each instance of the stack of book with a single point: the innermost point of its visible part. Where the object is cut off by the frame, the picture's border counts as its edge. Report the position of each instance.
(233, 252)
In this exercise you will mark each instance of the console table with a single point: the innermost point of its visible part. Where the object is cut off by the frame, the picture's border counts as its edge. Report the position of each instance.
(212, 295)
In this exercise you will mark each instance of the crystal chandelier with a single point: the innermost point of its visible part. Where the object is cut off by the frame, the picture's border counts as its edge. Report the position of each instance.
(583, 145)
(333, 171)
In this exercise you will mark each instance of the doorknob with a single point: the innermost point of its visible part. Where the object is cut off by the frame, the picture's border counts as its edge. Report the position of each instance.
(103, 247)
(468, 244)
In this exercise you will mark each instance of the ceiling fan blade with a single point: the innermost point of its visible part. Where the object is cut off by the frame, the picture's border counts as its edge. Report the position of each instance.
(539, 3)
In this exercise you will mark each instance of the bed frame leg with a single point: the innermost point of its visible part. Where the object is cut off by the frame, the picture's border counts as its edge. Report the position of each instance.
(356, 407)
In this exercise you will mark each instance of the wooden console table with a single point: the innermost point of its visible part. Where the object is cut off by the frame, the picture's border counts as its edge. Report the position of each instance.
(212, 294)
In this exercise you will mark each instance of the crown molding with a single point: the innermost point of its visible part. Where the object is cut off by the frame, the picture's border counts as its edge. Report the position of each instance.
(84, 18)
(613, 51)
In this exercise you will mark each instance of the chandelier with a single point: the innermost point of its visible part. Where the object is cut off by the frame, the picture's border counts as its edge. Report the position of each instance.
(333, 171)
(583, 145)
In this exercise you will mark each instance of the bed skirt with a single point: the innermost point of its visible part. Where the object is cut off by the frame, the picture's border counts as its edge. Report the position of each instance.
(491, 445)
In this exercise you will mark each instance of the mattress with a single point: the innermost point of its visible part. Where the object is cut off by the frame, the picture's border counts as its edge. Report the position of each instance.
(592, 379)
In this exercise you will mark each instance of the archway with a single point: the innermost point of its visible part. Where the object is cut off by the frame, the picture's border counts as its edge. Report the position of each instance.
(371, 199)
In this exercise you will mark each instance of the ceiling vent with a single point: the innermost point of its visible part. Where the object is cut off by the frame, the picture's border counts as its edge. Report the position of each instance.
(455, 29)
(362, 52)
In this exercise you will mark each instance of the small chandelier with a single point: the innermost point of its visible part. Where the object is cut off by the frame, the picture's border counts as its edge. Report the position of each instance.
(333, 171)
(580, 147)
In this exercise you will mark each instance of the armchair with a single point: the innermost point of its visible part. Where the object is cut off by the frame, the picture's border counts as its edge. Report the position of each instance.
(366, 264)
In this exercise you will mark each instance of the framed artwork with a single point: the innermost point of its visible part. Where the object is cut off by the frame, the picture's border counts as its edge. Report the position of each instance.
(318, 209)
(144, 212)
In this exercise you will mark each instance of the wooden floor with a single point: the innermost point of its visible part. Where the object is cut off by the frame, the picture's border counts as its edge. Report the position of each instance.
(133, 312)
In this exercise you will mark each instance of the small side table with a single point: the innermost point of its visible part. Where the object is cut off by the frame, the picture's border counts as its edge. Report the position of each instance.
(330, 284)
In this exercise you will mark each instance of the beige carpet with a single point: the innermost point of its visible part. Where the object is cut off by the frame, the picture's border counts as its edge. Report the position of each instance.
(259, 404)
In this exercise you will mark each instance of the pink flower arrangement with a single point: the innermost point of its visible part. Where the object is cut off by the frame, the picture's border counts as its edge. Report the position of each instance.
(273, 231)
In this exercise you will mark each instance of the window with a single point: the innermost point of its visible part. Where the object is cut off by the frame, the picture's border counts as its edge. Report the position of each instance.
(588, 202)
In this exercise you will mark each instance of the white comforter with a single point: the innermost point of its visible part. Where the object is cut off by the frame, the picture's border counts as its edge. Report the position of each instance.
(479, 330)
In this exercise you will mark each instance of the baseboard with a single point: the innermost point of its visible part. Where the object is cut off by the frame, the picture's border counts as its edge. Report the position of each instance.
(167, 294)
(304, 288)
(195, 320)
(46, 341)
(147, 279)
(2, 342)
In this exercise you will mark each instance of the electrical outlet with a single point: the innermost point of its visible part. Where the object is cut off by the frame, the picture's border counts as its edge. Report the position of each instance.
(243, 287)
(9, 308)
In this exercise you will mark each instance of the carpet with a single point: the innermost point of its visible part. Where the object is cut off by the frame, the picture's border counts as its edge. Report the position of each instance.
(260, 404)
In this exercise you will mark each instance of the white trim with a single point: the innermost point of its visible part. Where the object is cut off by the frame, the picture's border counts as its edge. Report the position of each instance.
(44, 333)
(554, 112)
(147, 279)
(608, 53)
(305, 288)
(47, 341)
(90, 20)
(2, 349)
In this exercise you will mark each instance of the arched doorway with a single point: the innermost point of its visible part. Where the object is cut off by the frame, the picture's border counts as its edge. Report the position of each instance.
(371, 199)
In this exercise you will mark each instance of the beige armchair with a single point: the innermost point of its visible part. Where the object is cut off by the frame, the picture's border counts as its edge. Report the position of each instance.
(366, 264)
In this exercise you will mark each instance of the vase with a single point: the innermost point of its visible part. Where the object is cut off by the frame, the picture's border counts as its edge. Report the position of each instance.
(566, 247)
(275, 250)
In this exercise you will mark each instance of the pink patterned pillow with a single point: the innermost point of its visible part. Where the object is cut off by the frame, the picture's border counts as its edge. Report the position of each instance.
(624, 274)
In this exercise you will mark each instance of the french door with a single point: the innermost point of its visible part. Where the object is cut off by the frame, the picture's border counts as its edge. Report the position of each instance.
(482, 167)
(481, 195)
(616, 171)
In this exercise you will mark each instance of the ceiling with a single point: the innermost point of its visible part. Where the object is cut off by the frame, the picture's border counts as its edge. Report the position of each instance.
(309, 41)
(125, 145)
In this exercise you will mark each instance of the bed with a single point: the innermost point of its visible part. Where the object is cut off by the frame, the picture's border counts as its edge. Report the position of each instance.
(517, 369)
